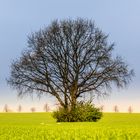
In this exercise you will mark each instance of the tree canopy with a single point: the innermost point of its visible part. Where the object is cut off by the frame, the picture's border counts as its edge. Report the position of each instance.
(68, 59)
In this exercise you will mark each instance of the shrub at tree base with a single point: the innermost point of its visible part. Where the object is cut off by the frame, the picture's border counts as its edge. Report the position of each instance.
(83, 112)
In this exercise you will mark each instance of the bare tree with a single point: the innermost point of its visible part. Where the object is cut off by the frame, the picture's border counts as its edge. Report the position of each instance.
(116, 109)
(46, 107)
(6, 108)
(130, 110)
(68, 59)
(19, 108)
(33, 109)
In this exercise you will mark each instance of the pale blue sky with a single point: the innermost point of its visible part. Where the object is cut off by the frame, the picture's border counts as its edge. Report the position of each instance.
(118, 18)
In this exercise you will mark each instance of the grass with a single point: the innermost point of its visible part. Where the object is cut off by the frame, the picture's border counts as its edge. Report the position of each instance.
(41, 126)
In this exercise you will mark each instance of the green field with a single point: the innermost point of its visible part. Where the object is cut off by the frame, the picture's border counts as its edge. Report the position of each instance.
(41, 126)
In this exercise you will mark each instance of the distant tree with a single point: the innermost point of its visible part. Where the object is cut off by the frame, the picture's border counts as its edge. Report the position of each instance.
(101, 107)
(130, 110)
(116, 109)
(19, 108)
(68, 59)
(33, 109)
(46, 107)
(6, 108)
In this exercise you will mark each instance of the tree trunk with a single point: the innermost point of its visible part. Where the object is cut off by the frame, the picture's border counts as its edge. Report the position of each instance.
(73, 95)
(73, 101)
(66, 103)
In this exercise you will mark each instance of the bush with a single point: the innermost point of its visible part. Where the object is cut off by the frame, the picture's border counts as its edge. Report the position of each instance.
(83, 112)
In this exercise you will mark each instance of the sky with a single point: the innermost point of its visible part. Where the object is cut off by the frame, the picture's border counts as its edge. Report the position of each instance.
(119, 19)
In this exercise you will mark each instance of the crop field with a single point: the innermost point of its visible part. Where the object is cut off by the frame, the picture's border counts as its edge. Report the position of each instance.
(41, 126)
